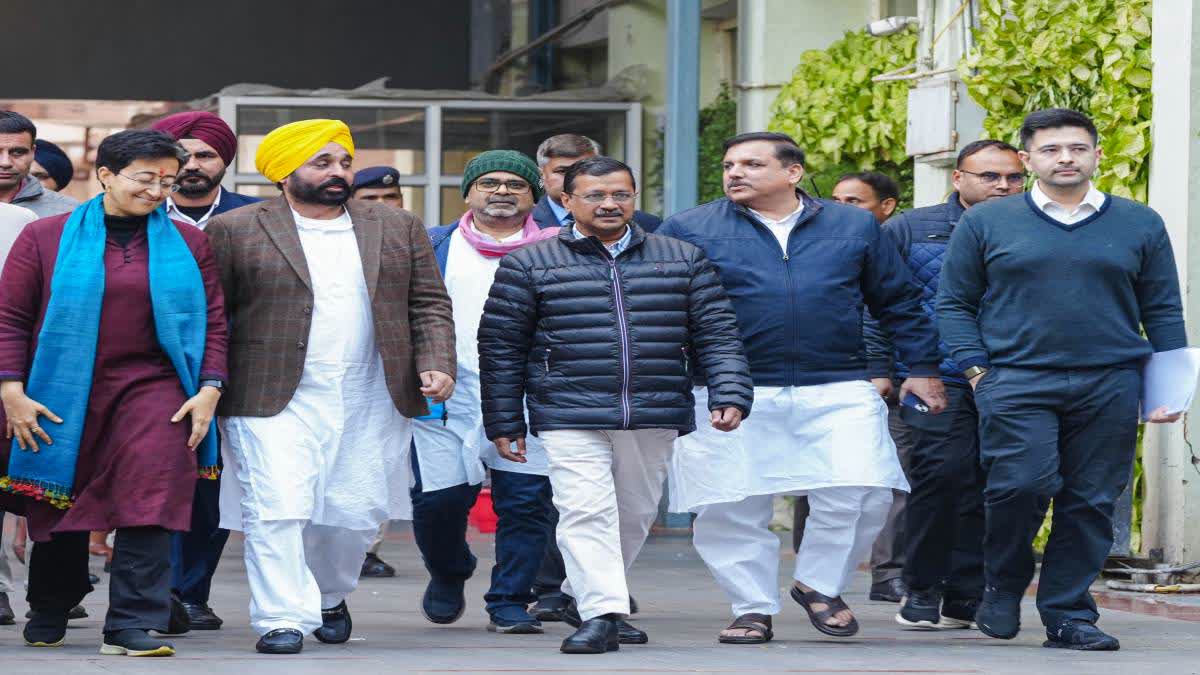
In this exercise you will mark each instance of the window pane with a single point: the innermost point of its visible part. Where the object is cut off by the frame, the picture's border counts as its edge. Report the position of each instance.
(453, 206)
(382, 136)
(466, 133)
(257, 190)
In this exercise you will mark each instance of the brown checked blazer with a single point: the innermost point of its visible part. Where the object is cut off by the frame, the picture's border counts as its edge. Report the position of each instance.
(269, 297)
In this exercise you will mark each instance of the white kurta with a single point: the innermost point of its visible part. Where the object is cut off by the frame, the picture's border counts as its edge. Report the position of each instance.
(455, 452)
(337, 455)
(796, 439)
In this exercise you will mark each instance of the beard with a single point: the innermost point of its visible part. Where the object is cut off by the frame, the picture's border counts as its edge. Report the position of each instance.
(501, 207)
(319, 194)
(197, 183)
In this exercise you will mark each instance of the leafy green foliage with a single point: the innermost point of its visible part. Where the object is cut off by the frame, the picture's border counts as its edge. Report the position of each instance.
(1090, 55)
(843, 120)
(718, 121)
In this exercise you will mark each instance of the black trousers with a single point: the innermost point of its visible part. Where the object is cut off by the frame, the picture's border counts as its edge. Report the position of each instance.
(139, 592)
(1066, 435)
(195, 553)
(440, 527)
(945, 520)
(552, 572)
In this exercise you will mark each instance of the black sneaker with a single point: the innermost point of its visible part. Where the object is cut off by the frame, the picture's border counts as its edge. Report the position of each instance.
(549, 608)
(959, 613)
(1080, 635)
(920, 609)
(374, 567)
(45, 629)
(999, 614)
(134, 642)
(513, 620)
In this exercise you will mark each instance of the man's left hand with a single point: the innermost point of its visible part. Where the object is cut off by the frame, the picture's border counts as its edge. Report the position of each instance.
(436, 385)
(726, 419)
(1161, 416)
(928, 389)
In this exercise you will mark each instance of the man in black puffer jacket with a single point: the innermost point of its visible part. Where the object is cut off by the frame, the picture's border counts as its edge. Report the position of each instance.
(592, 331)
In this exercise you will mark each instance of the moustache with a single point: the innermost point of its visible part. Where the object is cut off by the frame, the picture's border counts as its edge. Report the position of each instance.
(502, 200)
(736, 183)
(604, 213)
(334, 182)
(194, 173)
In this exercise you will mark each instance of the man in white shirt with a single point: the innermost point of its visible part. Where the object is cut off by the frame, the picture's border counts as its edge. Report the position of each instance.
(500, 188)
(211, 147)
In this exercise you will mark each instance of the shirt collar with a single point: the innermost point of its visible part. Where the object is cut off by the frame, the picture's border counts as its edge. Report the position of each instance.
(1094, 198)
(789, 218)
(559, 210)
(615, 248)
(173, 209)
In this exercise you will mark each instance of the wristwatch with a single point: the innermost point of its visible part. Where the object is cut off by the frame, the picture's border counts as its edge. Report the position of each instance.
(218, 384)
(973, 372)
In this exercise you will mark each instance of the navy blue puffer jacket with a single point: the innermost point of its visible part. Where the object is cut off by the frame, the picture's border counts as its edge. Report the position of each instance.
(590, 342)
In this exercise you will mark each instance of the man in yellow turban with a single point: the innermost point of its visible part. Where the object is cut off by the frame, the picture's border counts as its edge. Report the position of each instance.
(341, 330)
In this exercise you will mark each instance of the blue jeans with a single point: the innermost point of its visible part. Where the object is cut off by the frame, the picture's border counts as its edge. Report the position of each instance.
(195, 553)
(525, 525)
(440, 527)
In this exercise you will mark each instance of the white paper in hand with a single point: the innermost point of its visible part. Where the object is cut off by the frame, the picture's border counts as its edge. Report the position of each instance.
(1169, 380)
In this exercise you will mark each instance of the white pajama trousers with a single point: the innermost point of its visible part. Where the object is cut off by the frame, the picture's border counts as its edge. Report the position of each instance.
(607, 485)
(743, 554)
(297, 568)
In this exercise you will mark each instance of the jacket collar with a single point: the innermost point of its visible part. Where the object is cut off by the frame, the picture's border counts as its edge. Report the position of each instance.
(31, 188)
(592, 245)
(954, 204)
(811, 208)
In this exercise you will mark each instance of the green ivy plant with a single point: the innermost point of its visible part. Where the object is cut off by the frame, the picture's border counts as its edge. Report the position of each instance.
(843, 120)
(718, 121)
(1090, 55)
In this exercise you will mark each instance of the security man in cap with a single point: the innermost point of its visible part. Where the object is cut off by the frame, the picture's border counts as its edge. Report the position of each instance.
(378, 184)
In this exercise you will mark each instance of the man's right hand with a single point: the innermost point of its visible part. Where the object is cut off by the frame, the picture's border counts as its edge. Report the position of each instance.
(883, 385)
(511, 449)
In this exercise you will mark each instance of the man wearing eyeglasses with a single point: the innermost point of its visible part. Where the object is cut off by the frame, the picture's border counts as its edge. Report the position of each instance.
(943, 540)
(500, 188)
(596, 330)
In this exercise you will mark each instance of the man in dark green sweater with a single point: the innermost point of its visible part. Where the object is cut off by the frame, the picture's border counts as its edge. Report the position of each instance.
(1042, 302)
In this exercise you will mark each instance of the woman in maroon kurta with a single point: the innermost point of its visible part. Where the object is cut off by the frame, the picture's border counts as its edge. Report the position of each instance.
(135, 471)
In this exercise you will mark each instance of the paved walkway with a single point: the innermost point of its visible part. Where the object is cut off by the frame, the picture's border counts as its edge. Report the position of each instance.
(681, 609)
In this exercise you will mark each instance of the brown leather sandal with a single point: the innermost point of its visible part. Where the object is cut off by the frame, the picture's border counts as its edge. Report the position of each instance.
(832, 607)
(755, 622)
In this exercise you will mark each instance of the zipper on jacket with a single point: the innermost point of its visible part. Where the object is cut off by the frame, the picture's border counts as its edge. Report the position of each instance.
(546, 360)
(685, 359)
(614, 273)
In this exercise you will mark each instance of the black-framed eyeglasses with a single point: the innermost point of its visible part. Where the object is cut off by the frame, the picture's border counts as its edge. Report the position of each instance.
(992, 178)
(599, 197)
(148, 182)
(517, 187)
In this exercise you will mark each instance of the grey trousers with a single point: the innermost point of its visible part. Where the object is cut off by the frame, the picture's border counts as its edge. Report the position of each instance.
(887, 555)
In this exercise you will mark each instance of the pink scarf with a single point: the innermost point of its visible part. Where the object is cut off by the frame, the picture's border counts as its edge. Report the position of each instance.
(495, 249)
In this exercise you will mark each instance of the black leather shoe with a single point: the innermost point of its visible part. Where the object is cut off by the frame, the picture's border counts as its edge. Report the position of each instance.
(7, 617)
(374, 568)
(595, 636)
(633, 606)
(921, 609)
(134, 642)
(627, 634)
(179, 623)
(202, 617)
(549, 608)
(444, 601)
(892, 590)
(1082, 636)
(281, 641)
(45, 629)
(999, 614)
(335, 625)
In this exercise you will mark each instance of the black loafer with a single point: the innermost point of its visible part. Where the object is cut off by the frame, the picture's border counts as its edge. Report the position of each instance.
(999, 614)
(179, 621)
(281, 641)
(892, 590)
(202, 617)
(375, 568)
(444, 601)
(1082, 636)
(45, 629)
(335, 625)
(627, 634)
(595, 636)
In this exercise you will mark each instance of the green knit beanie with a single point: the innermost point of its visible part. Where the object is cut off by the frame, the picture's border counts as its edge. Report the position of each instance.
(512, 161)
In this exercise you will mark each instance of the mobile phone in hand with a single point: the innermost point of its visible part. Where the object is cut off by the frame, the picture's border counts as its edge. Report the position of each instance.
(913, 401)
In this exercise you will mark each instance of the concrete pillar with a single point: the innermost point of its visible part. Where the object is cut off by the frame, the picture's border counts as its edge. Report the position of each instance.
(1171, 513)
(772, 34)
